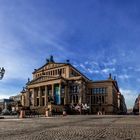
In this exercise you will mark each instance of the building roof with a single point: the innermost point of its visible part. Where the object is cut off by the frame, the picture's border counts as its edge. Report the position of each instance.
(50, 61)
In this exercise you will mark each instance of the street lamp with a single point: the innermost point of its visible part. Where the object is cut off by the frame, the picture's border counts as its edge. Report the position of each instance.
(2, 71)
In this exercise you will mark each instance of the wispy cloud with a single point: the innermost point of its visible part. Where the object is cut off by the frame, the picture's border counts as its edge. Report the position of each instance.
(108, 70)
(124, 76)
(110, 62)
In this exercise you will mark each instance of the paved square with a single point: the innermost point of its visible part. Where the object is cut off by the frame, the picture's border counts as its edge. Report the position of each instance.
(78, 127)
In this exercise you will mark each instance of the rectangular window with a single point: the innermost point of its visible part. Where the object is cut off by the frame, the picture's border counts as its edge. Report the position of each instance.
(103, 100)
(94, 90)
(76, 98)
(62, 100)
(97, 100)
(37, 93)
(70, 98)
(97, 90)
(43, 92)
(90, 91)
(93, 99)
(74, 89)
(103, 90)
(37, 101)
(100, 90)
(49, 92)
(43, 101)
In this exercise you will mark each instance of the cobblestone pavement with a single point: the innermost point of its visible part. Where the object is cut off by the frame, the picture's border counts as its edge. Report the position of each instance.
(71, 128)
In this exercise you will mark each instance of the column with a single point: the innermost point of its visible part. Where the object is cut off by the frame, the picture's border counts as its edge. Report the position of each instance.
(84, 93)
(60, 93)
(27, 102)
(40, 96)
(33, 97)
(46, 95)
(68, 93)
(23, 99)
(90, 104)
(65, 96)
(80, 93)
(52, 91)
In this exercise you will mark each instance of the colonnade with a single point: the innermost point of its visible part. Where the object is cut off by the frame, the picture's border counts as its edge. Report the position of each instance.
(42, 95)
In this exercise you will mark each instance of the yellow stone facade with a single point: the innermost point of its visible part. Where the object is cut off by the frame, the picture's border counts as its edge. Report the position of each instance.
(62, 84)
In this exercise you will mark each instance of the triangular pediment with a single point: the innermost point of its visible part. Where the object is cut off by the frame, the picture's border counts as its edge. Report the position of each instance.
(43, 79)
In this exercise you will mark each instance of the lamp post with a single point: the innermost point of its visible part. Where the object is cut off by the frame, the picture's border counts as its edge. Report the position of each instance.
(2, 72)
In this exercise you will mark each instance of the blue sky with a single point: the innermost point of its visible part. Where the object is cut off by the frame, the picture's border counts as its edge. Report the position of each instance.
(98, 36)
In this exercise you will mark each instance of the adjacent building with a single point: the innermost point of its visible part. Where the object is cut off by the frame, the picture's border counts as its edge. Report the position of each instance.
(136, 108)
(60, 84)
(5, 104)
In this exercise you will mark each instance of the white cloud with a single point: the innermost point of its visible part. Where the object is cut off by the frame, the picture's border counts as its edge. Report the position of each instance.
(89, 67)
(124, 76)
(86, 62)
(130, 97)
(4, 96)
(96, 71)
(108, 70)
(90, 70)
(111, 62)
(82, 66)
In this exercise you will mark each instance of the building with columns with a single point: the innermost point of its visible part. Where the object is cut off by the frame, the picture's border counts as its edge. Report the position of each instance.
(60, 84)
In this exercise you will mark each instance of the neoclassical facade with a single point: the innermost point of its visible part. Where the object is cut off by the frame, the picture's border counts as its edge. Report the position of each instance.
(104, 96)
(62, 84)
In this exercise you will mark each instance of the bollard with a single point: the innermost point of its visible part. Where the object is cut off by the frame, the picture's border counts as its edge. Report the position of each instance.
(64, 113)
(22, 114)
(48, 113)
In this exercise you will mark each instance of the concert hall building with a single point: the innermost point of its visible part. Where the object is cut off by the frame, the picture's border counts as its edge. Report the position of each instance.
(59, 84)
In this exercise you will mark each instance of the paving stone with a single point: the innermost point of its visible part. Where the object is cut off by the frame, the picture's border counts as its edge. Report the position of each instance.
(72, 128)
